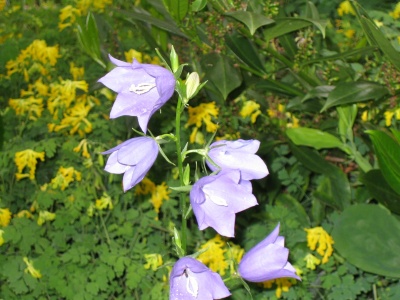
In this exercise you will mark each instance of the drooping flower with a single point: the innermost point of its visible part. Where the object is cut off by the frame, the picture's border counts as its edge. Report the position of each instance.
(31, 269)
(142, 89)
(217, 198)
(239, 155)
(190, 279)
(27, 158)
(267, 260)
(134, 158)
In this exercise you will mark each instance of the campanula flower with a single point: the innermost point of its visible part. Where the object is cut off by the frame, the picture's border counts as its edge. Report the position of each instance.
(142, 89)
(267, 260)
(133, 157)
(190, 279)
(239, 154)
(217, 198)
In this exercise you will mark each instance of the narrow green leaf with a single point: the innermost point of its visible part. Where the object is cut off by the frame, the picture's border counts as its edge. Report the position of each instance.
(177, 8)
(221, 73)
(381, 190)
(313, 138)
(354, 92)
(387, 151)
(368, 237)
(347, 115)
(253, 21)
(321, 91)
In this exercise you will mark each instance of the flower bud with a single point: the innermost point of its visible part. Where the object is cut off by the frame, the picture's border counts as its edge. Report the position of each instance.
(192, 84)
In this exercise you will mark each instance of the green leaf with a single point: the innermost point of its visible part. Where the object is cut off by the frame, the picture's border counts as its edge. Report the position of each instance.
(314, 138)
(347, 115)
(329, 191)
(221, 73)
(253, 21)
(354, 92)
(381, 190)
(245, 51)
(387, 151)
(311, 159)
(321, 91)
(396, 134)
(177, 8)
(292, 204)
(368, 237)
(198, 5)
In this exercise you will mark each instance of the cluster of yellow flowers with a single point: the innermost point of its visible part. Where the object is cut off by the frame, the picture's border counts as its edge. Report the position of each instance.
(318, 235)
(285, 118)
(200, 115)
(64, 177)
(282, 285)
(159, 193)
(141, 57)
(219, 256)
(27, 159)
(69, 13)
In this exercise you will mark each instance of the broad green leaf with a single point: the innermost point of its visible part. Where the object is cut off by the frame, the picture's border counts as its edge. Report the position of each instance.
(311, 159)
(334, 190)
(319, 91)
(221, 72)
(314, 138)
(354, 92)
(368, 237)
(396, 134)
(177, 8)
(286, 25)
(253, 21)
(198, 5)
(381, 190)
(292, 204)
(347, 115)
(245, 51)
(381, 41)
(387, 151)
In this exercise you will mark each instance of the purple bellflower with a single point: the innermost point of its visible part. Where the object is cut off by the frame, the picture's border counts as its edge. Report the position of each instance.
(190, 279)
(142, 89)
(133, 157)
(239, 154)
(217, 198)
(267, 260)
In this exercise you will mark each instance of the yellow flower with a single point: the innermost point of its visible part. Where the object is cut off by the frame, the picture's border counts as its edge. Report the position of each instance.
(200, 115)
(68, 12)
(1, 237)
(213, 256)
(30, 269)
(90, 210)
(319, 236)
(2, 4)
(44, 216)
(133, 54)
(235, 254)
(364, 116)
(100, 5)
(5, 217)
(229, 136)
(282, 285)
(83, 145)
(197, 137)
(311, 261)
(64, 177)
(158, 195)
(146, 186)
(396, 12)
(24, 214)
(104, 202)
(27, 158)
(345, 8)
(31, 105)
(250, 109)
(77, 73)
(388, 117)
(153, 261)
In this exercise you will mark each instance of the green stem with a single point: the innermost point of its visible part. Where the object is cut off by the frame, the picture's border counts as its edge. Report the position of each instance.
(182, 197)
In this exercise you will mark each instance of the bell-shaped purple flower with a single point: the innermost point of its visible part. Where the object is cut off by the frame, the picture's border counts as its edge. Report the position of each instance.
(239, 154)
(142, 89)
(267, 260)
(133, 157)
(217, 198)
(190, 279)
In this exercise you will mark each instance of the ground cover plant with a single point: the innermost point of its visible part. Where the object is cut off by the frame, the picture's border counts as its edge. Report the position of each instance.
(202, 149)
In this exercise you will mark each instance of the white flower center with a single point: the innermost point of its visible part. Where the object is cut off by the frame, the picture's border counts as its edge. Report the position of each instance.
(191, 285)
(141, 88)
(216, 199)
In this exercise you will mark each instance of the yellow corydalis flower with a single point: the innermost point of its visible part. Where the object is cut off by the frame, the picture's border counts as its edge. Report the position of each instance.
(396, 12)
(153, 261)
(158, 195)
(83, 146)
(76, 72)
(214, 256)
(319, 236)
(282, 285)
(311, 261)
(30, 269)
(24, 214)
(202, 114)
(104, 202)
(27, 158)
(45, 216)
(250, 109)
(64, 177)
(31, 106)
(1, 237)
(5, 217)
(145, 187)
(345, 8)
(67, 17)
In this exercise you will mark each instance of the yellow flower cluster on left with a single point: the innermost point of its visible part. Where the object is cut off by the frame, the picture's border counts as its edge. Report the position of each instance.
(27, 158)
(318, 236)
